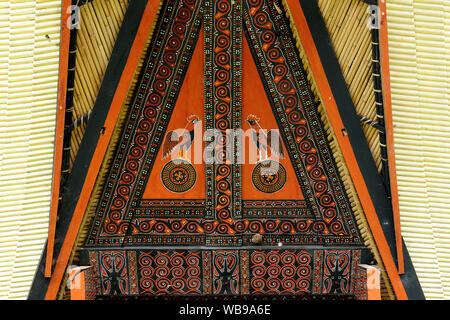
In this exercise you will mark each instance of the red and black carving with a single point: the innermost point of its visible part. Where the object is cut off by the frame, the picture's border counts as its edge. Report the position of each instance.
(181, 142)
(170, 272)
(222, 102)
(275, 208)
(293, 105)
(124, 221)
(196, 231)
(337, 271)
(172, 208)
(265, 141)
(228, 272)
(114, 273)
(281, 272)
(269, 176)
(175, 36)
(222, 85)
(222, 218)
(225, 272)
(178, 176)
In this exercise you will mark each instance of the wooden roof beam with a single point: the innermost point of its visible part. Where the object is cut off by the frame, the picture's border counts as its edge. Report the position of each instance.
(386, 85)
(113, 91)
(345, 122)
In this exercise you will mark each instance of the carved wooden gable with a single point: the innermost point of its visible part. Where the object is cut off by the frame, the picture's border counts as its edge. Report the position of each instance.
(223, 181)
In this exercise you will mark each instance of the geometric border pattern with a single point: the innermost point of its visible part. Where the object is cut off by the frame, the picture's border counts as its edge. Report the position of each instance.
(119, 220)
(228, 272)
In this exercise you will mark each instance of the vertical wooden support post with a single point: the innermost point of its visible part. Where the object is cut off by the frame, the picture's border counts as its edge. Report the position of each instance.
(373, 282)
(77, 283)
(296, 10)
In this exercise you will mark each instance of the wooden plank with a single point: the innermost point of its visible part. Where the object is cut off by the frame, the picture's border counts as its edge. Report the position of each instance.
(59, 134)
(103, 141)
(386, 84)
(117, 80)
(330, 104)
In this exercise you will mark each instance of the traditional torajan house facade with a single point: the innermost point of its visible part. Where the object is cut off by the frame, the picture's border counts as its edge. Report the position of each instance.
(226, 148)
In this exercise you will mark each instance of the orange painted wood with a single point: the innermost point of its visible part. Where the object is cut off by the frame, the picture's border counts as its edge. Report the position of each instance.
(373, 284)
(59, 134)
(346, 148)
(373, 281)
(102, 144)
(77, 283)
(255, 101)
(386, 83)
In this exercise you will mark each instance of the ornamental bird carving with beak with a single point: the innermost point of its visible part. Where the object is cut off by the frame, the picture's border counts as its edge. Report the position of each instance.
(184, 141)
(265, 141)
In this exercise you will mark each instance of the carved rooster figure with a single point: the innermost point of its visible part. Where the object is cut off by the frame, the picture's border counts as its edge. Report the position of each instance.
(184, 141)
(263, 141)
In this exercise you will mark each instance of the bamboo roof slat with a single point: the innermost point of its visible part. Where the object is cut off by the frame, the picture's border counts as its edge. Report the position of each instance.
(100, 21)
(29, 56)
(346, 22)
(420, 66)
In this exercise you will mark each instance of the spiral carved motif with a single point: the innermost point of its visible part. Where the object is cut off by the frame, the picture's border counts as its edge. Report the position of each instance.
(273, 50)
(139, 145)
(226, 271)
(170, 272)
(222, 83)
(280, 272)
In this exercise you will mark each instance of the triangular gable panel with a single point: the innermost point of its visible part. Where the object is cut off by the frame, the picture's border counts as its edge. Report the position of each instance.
(149, 200)
(189, 106)
(293, 106)
(256, 103)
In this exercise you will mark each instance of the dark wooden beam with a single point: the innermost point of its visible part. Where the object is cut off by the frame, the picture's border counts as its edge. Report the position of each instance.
(373, 2)
(95, 128)
(350, 119)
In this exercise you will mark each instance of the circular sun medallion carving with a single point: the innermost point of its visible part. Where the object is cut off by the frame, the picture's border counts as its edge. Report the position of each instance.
(269, 176)
(178, 175)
